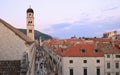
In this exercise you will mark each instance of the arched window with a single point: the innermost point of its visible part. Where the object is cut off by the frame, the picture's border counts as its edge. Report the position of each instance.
(29, 22)
(30, 31)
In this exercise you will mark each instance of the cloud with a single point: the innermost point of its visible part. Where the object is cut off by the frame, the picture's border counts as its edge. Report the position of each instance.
(82, 28)
(60, 26)
(108, 17)
(67, 28)
(111, 8)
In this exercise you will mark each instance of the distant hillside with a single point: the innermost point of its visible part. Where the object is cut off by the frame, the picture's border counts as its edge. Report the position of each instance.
(38, 34)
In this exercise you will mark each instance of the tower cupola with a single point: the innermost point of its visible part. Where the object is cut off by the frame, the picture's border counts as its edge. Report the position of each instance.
(30, 10)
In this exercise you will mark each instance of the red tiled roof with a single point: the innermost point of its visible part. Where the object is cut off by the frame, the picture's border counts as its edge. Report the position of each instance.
(75, 51)
(108, 48)
(101, 39)
(65, 41)
(117, 43)
(76, 45)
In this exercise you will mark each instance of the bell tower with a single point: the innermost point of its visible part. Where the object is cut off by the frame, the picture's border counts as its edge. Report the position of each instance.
(30, 23)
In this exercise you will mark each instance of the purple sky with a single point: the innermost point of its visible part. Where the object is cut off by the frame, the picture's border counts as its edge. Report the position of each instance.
(65, 18)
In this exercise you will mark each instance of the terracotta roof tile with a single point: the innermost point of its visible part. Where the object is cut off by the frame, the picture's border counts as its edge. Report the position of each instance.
(108, 48)
(102, 45)
(75, 51)
(101, 39)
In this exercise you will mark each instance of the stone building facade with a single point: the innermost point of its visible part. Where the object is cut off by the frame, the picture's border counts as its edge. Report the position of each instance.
(16, 50)
(109, 34)
(80, 57)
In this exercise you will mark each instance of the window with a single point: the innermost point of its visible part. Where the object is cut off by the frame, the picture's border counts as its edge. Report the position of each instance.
(98, 61)
(108, 56)
(71, 71)
(29, 22)
(98, 71)
(30, 31)
(84, 61)
(107, 47)
(96, 50)
(117, 65)
(117, 73)
(29, 14)
(70, 61)
(108, 65)
(85, 71)
(108, 73)
(62, 50)
(117, 56)
(83, 50)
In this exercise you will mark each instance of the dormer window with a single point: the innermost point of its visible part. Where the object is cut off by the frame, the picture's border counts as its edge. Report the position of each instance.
(96, 50)
(62, 50)
(83, 50)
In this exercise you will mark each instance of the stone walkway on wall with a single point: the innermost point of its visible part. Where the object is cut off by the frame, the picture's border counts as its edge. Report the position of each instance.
(41, 66)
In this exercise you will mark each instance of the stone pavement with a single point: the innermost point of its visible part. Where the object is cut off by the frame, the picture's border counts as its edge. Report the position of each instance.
(41, 67)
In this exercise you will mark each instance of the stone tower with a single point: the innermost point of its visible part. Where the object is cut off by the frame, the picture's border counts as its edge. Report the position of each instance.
(30, 23)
